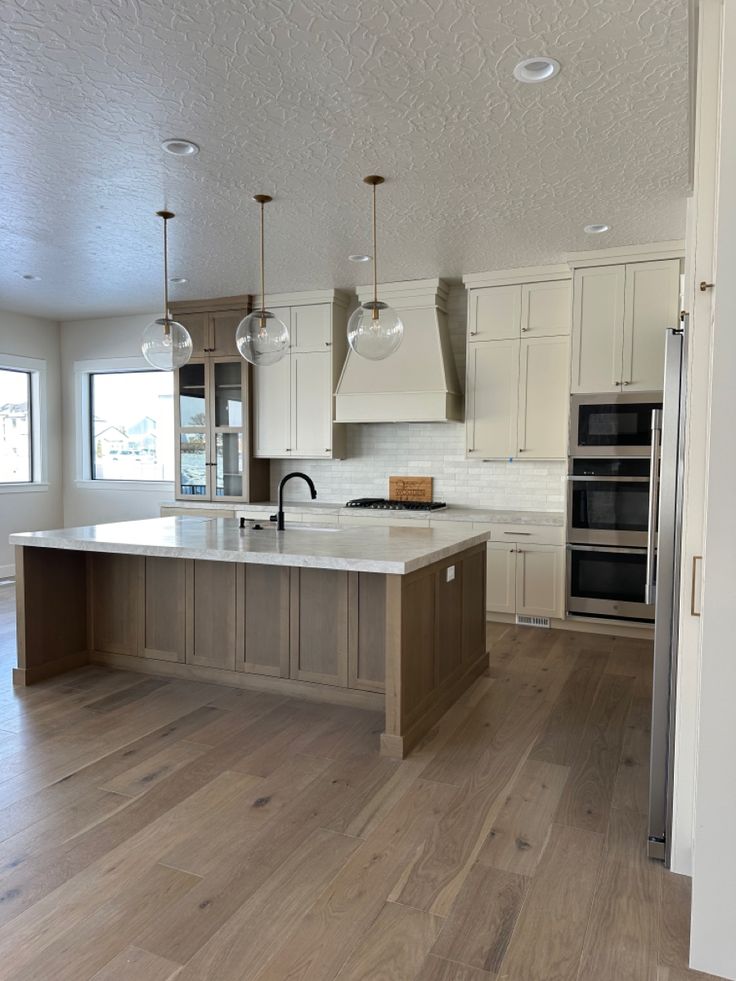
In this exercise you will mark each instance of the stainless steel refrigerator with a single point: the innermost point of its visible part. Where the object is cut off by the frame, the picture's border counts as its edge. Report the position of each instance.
(663, 583)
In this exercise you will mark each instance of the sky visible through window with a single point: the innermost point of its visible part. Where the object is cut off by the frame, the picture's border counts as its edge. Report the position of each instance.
(15, 427)
(132, 425)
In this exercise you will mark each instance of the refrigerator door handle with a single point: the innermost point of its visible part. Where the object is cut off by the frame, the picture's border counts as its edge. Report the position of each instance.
(649, 585)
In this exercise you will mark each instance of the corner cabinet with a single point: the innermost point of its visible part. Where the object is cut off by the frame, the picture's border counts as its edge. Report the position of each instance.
(212, 409)
(294, 399)
(518, 371)
(620, 314)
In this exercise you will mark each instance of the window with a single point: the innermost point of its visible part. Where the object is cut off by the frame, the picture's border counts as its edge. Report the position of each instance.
(16, 427)
(131, 425)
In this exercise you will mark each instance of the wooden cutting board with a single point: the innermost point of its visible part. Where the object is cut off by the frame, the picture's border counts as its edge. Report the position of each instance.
(410, 488)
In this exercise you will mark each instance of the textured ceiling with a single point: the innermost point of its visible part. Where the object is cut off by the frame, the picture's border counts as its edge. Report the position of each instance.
(301, 99)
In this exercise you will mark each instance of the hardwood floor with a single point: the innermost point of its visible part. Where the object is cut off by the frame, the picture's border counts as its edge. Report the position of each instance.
(154, 829)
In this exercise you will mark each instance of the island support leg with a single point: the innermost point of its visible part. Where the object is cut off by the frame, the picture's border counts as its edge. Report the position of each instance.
(51, 617)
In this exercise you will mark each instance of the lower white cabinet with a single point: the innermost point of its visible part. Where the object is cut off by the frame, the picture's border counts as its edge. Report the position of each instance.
(525, 579)
(501, 578)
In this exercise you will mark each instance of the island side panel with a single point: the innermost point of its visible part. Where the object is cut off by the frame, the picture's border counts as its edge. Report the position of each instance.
(51, 590)
(435, 644)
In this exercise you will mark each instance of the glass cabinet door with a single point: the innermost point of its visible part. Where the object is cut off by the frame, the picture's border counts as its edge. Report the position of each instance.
(228, 422)
(192, 477)
(228, 394)
(193, 464)
(228, 464)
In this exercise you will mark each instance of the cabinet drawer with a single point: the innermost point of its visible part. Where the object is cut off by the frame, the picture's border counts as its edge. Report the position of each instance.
(381, 521)
(533, 534)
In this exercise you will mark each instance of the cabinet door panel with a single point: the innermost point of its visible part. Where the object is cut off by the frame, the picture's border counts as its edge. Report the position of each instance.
(501, 578)
(367, 624)
(597, 337)
(116, 607)
(543, 398)
(211, 610)
(223, 325)
(311, 327)
(319, 626)
(165, 609)
(493, 388)
(539, 580)
(546, 309)
(495, 313)
(651, 305)
(265, 603)
(311, 404)
(272, 409)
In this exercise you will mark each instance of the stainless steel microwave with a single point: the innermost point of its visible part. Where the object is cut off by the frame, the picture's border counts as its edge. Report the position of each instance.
(612, 425)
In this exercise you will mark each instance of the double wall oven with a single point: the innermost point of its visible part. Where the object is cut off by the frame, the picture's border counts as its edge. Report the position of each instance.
(611, 518)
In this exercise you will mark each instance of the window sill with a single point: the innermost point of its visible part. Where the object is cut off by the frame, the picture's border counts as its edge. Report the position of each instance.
(143, 485)
(24, 488)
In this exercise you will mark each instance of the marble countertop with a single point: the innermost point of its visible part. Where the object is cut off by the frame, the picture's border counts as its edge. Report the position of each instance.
(395, 551)
(452, 512)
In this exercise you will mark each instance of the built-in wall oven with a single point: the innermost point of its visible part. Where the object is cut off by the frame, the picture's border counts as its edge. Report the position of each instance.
(608, 502)
(608, 582)
(612, 425)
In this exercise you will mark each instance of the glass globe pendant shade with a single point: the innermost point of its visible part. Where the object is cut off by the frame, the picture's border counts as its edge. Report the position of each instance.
(262, 338)
(375, 330)
(166, 344)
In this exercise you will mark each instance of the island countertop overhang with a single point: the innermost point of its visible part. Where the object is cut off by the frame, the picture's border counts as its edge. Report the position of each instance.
(383, 550)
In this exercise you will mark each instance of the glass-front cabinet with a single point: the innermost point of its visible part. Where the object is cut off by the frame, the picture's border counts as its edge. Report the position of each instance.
(213, 430)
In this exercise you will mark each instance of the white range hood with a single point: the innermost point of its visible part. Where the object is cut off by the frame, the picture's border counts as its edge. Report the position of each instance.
(418, 382)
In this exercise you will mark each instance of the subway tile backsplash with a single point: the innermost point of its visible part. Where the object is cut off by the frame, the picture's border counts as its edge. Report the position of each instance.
(375, 451)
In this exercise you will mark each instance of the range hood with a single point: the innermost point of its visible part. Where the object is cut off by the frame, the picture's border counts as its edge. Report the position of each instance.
(418, 382)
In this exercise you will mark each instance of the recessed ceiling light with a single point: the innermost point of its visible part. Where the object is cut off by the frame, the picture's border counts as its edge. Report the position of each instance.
(180, 148)
(536, 69)
(30, 277)
(359, 257)
(177, 280)
(596, 229)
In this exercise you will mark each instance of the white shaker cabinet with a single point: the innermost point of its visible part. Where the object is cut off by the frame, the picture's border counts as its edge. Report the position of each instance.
(495, 313)
(543, 399)
(501, 578)
(540, 571)
(620, 313)
(294, 398)
(491, 399)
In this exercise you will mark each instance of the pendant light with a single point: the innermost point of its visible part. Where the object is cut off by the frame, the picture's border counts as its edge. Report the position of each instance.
(375, 329)
(166, 344)
(261, 337)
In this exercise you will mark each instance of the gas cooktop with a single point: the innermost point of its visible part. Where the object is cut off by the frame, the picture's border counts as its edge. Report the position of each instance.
(382, 504)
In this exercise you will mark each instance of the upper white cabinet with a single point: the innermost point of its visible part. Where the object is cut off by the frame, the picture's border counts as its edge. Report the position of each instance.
(294, 398)
(518, 370)
(620, 313)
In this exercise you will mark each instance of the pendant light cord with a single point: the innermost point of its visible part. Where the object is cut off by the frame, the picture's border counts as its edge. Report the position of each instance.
(375, 261)
(263, 268)
(167, 324)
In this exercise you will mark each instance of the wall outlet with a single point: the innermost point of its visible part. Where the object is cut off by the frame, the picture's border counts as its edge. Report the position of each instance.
(449, 573)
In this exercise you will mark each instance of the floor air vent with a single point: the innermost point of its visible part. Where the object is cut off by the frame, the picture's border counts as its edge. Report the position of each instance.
(526, 621)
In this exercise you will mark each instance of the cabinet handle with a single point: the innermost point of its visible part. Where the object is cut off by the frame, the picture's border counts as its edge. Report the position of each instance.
(327, 449)
(526, 533)
(524, 330)
(693, 611)
(706, 286)
(626, 383)
(287, 450)
(473, 333)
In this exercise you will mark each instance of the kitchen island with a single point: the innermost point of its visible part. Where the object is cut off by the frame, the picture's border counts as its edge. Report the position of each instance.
(389, 618)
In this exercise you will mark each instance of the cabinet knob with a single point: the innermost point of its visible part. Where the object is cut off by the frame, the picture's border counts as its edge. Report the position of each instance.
(328, 343)
(625, 383)
(706, 286)
(521, 449)
(524, 330)
(473, 333)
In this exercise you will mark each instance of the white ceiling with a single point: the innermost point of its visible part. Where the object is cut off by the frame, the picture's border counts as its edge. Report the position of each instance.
(301, 99)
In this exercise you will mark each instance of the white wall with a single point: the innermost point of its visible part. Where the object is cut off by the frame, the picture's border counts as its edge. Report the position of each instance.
(89, 502)
(38, 509)
(713, 939)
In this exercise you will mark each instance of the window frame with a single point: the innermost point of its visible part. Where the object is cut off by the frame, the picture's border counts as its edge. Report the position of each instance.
(83, 371)
(36, 369)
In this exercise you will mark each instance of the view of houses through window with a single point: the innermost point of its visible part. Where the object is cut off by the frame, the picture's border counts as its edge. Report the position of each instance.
(131, 425)
(16, 440)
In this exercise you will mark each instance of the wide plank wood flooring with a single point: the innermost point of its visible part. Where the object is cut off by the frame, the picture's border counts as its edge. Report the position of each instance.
(155, 829)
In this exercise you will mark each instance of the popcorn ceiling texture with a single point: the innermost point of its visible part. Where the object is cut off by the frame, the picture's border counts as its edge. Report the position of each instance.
(377, 451)
(302, 98)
